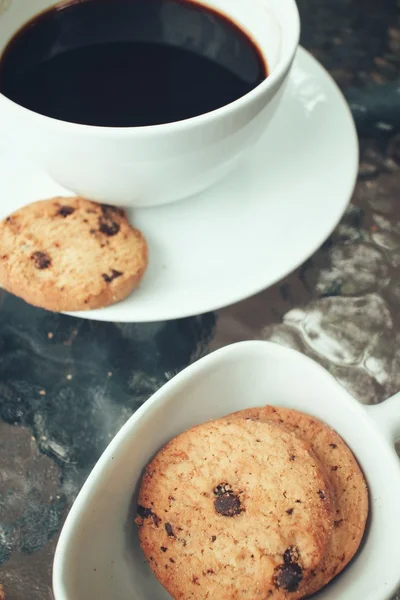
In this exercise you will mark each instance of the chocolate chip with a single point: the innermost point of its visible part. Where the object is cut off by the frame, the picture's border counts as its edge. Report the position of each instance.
(210, 572)
(292, 458)
(145, 513)
(228, 505)
(163, 549)
(195, 580)
(290, 511)
(171, 560)
(322, 495)
(333, 446)
(108, 227)
(114, 275)
(213, 538)
(41, 260)
(291, 555)
(298, 501)
(65, 211)
(169, 530)
(288, 577)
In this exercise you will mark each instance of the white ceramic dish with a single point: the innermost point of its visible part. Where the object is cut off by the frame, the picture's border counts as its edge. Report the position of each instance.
(149, 166)
(98, 554)
(250, 230)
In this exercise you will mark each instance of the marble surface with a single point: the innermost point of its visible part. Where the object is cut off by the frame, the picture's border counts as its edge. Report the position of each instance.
(67, 386)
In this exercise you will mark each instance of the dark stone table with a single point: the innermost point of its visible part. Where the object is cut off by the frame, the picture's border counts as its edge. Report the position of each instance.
(67, 385)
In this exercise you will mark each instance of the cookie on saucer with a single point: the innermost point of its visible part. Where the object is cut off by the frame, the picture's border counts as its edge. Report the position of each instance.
(70, 254)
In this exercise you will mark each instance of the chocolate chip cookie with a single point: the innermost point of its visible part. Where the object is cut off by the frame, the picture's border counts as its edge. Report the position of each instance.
(234, 510)
(70, 254)
(348, 486)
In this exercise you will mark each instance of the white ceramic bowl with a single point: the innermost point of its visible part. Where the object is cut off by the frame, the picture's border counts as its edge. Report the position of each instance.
(98, 554)
(147, 166)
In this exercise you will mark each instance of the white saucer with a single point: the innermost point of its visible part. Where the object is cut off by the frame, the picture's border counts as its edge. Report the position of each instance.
(250, 230)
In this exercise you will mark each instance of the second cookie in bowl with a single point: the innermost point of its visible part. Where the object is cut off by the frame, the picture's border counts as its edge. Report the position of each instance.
(349, 489)
(215, 512)
(70, 254)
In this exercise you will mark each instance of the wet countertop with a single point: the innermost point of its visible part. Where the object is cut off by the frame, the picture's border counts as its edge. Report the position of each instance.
(67, 385)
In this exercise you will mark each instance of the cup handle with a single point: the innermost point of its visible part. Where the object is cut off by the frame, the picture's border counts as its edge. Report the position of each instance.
(387, 417)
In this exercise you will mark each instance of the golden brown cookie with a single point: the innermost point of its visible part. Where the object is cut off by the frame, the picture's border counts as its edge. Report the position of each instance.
(234, 510)
(2, 596)
(348, 486)
(70, 254)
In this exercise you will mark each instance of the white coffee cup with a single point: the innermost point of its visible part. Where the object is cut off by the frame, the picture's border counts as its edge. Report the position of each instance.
(149, 166)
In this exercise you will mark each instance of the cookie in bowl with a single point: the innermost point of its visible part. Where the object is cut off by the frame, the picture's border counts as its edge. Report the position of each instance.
(235, 509)
(349, 488)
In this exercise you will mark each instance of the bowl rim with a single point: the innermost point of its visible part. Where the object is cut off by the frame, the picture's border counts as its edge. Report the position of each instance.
(257, 347)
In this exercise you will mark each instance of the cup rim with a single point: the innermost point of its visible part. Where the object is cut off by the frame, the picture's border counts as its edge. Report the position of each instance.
(177, 126)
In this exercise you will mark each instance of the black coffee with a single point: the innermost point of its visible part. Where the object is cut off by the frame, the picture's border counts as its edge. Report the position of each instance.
(126, 63)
